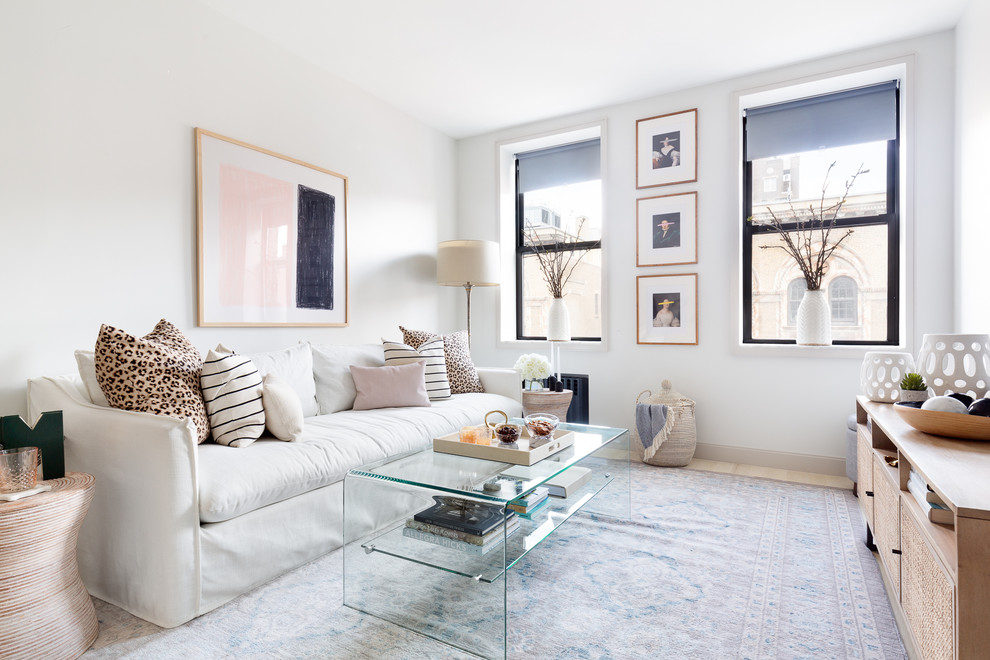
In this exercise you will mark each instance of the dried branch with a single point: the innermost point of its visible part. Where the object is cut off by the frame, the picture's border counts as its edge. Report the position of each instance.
(557, 262)
(811, 255)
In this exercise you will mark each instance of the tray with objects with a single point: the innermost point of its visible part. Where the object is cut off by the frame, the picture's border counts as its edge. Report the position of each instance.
(525, 451)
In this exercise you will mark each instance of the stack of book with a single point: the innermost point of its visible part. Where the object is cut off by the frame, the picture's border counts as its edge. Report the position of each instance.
(534, 501)
(929, 500)
(466, 525)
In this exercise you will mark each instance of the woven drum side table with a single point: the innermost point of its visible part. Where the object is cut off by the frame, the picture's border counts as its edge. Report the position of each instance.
(45, 611)
(545, 401)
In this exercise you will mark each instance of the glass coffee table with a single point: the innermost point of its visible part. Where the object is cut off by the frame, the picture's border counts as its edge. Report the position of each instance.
(453, 590)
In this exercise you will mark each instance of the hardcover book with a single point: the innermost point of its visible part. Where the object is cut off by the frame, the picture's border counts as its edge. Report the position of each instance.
(474, 539)
(464, 515)
(456, 544)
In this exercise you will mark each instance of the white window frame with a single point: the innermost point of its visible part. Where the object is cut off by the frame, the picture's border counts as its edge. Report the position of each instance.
(506, 151)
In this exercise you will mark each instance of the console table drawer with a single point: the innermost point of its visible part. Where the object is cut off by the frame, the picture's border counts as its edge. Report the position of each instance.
(927, 595)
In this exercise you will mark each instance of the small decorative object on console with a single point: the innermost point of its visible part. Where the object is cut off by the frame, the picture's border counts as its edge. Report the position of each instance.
(913, 387)
(881, 372)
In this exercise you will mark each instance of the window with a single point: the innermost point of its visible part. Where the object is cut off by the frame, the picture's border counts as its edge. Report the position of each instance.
(842, 298)
(559, 208)
(787, 152)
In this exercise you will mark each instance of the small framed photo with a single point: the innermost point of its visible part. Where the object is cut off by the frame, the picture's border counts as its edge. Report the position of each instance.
(667, 309)
(667, 149)
(667, 230)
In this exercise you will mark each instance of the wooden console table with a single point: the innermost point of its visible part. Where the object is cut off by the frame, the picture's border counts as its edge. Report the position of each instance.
(939, 575)
(45, 611)
(545, 401)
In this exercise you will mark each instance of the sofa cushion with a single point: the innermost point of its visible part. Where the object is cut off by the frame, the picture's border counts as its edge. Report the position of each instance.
(283, 410)
(461, 372)
(86, 362)
(232, 392)
(437, 385)
(331, 369)
(232, 483)
(294, 365)
(157, 373)
(396, 386)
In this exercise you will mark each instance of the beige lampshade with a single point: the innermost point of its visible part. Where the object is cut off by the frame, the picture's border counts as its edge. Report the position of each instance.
(467, 262)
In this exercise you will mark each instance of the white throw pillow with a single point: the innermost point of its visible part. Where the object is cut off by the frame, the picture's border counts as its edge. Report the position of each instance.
(86, 361)
(232, 392)
(331, 369)
(437, 385)
(294, 365)
(399, 386)
(283, 410)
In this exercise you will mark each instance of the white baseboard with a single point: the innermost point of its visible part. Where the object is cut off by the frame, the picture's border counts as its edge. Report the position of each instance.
(780, 460)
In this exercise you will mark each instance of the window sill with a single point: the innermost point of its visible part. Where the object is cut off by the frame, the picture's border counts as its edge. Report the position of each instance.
(793, 350)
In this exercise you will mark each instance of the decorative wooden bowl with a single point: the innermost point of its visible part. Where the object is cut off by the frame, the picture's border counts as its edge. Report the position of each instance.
(951, 425)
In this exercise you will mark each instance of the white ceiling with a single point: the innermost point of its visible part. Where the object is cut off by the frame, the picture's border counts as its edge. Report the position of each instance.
(467, 67)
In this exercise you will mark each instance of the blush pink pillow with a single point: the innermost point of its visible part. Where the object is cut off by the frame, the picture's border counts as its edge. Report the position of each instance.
(399, 386)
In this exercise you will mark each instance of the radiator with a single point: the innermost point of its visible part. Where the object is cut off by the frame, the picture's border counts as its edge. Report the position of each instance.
(578, 410)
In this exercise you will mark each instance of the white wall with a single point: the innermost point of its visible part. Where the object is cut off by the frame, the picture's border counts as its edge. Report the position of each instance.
(97, 177)
(760, 403)
(973, 165)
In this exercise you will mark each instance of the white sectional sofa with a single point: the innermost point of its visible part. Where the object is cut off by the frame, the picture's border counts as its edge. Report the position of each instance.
(177, 529)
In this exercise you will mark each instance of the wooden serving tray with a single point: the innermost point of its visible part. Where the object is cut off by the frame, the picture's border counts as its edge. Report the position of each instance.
(524, 455)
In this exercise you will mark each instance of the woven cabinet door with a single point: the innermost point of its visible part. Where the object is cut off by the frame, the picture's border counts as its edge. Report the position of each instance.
(886, 514)
(926, 594)
(864, 474)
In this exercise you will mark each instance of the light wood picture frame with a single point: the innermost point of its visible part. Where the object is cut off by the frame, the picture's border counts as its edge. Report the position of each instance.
(667, 309)
(271, 238)
(667, 149)
(667, 230)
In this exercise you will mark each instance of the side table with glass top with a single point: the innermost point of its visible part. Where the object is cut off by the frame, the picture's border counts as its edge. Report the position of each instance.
(458, 595)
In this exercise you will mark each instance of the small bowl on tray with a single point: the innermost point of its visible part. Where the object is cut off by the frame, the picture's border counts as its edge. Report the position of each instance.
(947, 424)
(541, 426)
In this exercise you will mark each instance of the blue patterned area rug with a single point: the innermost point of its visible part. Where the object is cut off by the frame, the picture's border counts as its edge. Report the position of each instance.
(711, 566)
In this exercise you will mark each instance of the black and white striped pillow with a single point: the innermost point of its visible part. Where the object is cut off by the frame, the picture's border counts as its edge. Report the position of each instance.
(437, 385)
(232, 390)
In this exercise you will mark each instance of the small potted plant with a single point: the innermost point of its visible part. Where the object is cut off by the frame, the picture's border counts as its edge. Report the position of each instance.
(913, 388)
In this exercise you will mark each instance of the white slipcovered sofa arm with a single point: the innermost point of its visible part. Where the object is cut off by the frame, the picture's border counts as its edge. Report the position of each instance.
(507, 382)
(139, 544)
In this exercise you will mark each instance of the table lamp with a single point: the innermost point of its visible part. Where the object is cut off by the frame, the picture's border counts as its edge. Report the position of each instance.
(467, 264)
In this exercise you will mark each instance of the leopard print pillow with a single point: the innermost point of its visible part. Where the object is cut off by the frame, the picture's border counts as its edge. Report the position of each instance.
(461, 372)
(158, 373)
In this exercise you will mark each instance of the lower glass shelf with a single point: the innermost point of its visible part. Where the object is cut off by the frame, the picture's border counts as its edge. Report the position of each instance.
(488, 564)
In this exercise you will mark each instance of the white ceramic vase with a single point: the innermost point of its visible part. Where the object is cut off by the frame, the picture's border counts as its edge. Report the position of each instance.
(559, 321)
(814, 320)
(955, 363)
(881, 374)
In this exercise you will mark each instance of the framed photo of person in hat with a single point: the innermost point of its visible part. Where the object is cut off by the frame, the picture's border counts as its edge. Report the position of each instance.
(667, 309)
(667, 230)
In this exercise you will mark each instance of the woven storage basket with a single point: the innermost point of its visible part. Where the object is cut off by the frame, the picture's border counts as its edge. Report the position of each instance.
(677, 449)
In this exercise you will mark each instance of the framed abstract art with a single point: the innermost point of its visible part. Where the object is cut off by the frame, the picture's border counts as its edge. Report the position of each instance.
(667, 230)
(667, 309)
(272, 238)
(667, 149)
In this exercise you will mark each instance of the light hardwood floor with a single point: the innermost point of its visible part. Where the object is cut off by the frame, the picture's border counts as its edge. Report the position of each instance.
(771, 473)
